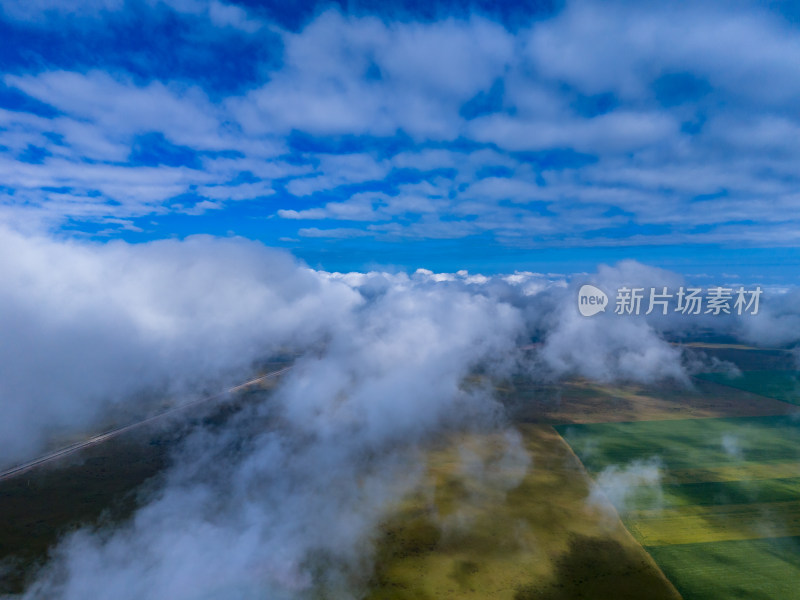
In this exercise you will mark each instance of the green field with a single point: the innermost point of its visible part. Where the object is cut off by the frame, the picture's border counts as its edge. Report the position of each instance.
(686, 443)
(781, 385)
(723, 520)
(717, 493)
(761, 569)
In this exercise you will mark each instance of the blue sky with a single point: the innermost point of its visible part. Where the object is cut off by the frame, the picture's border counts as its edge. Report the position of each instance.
(546, 137)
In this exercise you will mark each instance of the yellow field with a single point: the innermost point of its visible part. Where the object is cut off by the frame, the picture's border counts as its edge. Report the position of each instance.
(497, 529)
(693, 524)
(741, 472)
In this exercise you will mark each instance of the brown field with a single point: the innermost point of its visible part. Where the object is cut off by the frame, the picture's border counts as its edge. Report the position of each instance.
(586, 402)
(747, 357)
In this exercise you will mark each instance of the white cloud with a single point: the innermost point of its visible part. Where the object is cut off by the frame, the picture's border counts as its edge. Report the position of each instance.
(673, 110)
(41, 10)
(292, 488)
(242, 191)
(621, 47)
(105, 322)
(420, 75)
(388, 358)
(619, 131)
(120, 108)
(331, 232)
(634, 485)
(336, 170)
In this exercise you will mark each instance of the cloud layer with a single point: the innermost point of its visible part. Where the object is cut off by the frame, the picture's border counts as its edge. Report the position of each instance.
(597, 124)
(88, 327)
(291, 488)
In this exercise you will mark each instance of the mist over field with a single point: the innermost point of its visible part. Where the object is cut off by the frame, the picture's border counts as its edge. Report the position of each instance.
(292, 488)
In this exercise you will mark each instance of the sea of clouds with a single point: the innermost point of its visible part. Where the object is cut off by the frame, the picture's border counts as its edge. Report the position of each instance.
(286, 495)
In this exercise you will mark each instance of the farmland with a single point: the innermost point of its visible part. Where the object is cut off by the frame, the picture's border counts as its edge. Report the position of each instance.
(753, 569)
(723, 518)
(718, 516)
(580, 401)
(687, 443)
(728, 490)
(781, 385)
(520, 533)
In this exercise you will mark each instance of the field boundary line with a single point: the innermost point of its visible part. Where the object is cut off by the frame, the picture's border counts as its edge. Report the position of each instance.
(615, 514)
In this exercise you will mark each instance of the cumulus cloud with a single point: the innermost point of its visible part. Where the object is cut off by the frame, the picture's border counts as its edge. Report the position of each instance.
(607, 346)
(357, 76)
(290, 489)
(88, 326)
